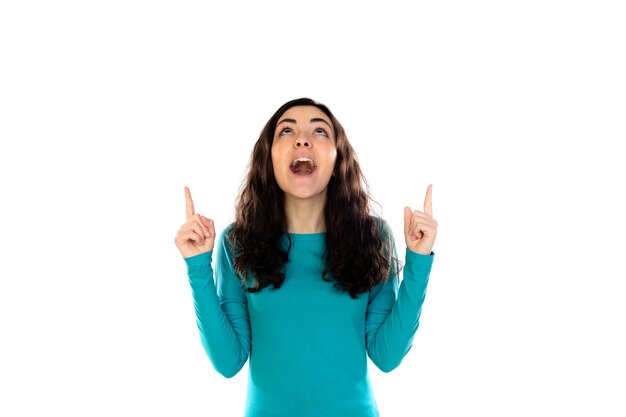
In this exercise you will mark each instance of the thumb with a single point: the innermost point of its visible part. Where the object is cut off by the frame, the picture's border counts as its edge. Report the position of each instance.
(408, 214)
(208, 223)
(205, 221)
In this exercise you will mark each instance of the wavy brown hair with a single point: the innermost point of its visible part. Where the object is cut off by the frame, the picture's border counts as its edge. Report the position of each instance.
(359, 246)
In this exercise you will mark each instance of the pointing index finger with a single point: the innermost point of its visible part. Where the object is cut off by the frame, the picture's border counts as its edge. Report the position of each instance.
(189, 203)
(428, 201)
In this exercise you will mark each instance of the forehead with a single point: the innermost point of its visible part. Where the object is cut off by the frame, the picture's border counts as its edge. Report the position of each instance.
(304, 113)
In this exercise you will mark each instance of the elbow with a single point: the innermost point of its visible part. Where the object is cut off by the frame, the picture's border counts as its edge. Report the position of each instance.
(387, 367)
(388, 361)
(228, 372)
(229, 369)
(225, 364)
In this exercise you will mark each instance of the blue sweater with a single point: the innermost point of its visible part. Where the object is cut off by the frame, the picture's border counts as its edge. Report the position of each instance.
(306, 341)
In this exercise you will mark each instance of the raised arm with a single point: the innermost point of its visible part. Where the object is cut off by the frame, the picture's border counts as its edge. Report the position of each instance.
(220, 305)
(394, 309)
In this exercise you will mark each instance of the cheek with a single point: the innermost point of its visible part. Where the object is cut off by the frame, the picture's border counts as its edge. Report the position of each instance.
(276, 159)
(273, 154)
(331, 161)
(332, 156)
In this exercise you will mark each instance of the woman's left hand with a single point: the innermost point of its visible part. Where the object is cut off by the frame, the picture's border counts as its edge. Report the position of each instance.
(420, 229)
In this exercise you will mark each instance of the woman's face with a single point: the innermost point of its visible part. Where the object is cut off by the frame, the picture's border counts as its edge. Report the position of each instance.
(304, 152)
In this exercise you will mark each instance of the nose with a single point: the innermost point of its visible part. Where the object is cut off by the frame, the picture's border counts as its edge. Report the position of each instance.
(302, 143)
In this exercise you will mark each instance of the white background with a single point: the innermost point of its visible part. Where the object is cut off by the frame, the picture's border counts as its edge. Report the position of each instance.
(514, 111)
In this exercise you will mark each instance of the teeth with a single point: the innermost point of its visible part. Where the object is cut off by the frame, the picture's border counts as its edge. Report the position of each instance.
(295, 161)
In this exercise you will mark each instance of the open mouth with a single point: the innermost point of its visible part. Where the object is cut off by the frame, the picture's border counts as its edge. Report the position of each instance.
(302, 166)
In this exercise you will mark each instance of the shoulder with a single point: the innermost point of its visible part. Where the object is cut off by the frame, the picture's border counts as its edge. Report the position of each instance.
(382, 228)
(226, 239)
(227, 230)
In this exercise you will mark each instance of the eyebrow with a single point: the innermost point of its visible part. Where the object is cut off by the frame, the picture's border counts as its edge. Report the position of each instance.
(313, 120)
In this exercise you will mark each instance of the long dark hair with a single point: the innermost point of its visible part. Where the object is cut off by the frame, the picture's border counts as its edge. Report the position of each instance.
(359, 246)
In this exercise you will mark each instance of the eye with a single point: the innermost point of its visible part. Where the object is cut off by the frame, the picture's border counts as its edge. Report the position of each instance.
(284, 130)
(323, 131)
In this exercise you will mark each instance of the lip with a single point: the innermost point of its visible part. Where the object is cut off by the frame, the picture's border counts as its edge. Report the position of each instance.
(302, 175)
(303, 155)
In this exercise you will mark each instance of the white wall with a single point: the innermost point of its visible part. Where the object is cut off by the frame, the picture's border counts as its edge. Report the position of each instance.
(512, 110)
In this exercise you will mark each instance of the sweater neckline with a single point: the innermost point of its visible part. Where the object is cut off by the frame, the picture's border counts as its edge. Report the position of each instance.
(307, 236)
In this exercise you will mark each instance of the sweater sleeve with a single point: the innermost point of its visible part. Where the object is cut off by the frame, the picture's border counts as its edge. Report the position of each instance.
(394, 310)
(221, 310)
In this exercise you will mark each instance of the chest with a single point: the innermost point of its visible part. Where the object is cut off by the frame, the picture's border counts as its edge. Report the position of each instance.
(305, 299)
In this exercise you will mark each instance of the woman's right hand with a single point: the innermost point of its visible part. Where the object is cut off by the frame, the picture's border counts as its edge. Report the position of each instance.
(197, 234)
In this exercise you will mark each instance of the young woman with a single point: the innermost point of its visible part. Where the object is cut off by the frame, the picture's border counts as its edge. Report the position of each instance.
(306, 279)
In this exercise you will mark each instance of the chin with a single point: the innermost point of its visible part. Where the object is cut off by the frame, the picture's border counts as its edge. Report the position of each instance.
(304, 194)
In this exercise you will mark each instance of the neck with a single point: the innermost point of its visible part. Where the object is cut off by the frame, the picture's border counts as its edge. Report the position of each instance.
(305, 215)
